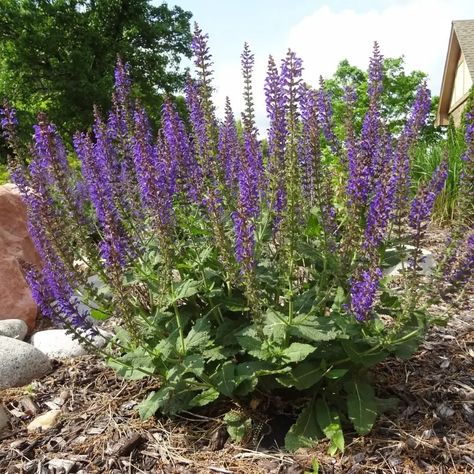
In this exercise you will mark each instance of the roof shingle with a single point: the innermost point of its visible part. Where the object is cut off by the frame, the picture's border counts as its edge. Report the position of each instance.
(465, 34)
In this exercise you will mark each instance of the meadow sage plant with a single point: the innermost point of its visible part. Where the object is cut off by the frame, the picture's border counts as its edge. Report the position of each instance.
(230, 272)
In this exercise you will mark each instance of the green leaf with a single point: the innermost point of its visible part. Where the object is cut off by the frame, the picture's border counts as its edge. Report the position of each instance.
(361, 356)
(167, 346)
(99, 315)
(184, 290)
(238, 425)
(217, 353)
(361, 405)
(199, 335)
(329, 422)
(303, 376)
(339, 299)
(235, 304)
(315, 328)
(305, 301)
(123, 336)
(309, 251)
(227, 331)
(297, 352)
(335, 374)
(275, 325)
(249, 340)
(224, 379)
(193, 364)
(135, 361)
(305, 432)
(152, 403)
(205, 397)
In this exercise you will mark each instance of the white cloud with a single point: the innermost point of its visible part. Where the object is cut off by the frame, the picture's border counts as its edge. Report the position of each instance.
(416, 29)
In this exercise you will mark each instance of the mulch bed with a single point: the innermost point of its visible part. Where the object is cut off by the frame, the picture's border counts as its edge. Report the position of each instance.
(99, 431)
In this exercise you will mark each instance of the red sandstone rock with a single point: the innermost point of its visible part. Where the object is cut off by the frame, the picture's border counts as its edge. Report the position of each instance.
(15, 245)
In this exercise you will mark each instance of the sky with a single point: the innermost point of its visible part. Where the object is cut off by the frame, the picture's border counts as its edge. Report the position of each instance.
(322, 33)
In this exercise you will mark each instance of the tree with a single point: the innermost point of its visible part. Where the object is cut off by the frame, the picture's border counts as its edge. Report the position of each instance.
(58, 55)
(399, 89)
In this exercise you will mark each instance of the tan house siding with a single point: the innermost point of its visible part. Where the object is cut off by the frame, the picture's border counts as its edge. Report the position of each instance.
(458, 73)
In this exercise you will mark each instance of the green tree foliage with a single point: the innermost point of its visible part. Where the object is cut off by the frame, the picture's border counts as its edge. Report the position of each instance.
(57, 55)
(397, 98)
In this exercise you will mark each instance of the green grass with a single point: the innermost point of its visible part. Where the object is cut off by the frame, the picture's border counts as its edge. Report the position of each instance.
(4, 175)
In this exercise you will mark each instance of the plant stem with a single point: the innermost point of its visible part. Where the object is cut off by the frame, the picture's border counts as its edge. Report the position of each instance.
(180, 328)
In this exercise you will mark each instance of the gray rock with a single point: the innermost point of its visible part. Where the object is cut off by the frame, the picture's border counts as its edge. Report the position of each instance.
(4, 418)
(59, 345)
(20, 363)
(15, 328)
(426, 263)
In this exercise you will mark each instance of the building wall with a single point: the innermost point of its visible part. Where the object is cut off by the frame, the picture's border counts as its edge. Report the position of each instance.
(457, 112)
(462, 83)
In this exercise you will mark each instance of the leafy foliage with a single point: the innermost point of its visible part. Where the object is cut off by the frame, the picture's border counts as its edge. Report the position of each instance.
(58, 56)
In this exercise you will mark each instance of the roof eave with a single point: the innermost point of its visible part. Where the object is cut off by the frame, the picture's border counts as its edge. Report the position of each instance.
(448, 78)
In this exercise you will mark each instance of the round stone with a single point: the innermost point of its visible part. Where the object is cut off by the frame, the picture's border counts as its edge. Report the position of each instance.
(20, 363)
(57, 344)
(15, 328)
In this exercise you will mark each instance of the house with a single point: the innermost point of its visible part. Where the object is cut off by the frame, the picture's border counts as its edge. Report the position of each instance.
(458, 73)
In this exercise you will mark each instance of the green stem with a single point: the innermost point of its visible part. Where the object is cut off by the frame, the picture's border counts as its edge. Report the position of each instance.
(180, 328)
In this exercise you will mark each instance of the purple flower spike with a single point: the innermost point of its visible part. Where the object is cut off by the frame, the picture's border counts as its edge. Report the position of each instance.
(375, 74)
(229, 147)
(422, 204)
(152, 172)
(383, 202)
(115, 243)
(325, 116)
(363, 292)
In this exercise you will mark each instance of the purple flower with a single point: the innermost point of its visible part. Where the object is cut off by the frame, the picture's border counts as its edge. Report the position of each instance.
(183, 169)
(363, 291)
(229, 147)
(153, 173)
(123, 84)
(309, 150)
(383, 202)
(325, 113)
(461, 266)
(55, 298)
(8, 122)
(422, 204)
(291, 71)
(375, 87)
(244, 242)
(94, 162)
(248, 116)
(277, 135)
(415, 123)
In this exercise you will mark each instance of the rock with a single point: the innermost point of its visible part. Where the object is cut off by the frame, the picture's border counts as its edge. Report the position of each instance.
(57, 344)
(61, 465)
(15, 295)
(20, 363)
(4, 418)
(15, 245)
(45, 421)
(15, 328)
(426, 263)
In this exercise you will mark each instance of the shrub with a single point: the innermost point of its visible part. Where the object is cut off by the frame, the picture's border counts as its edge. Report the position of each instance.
(234, 274)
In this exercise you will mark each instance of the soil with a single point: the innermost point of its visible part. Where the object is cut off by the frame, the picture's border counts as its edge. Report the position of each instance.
(431, 430)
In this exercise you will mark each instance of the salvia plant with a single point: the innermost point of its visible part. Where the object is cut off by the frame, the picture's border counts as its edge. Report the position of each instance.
(235, 274)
